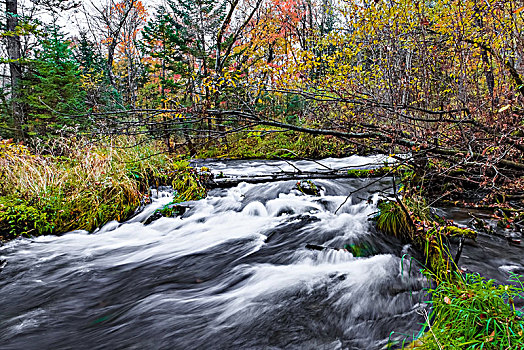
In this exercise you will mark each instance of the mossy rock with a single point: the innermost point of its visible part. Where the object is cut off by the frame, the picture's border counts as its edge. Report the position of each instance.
(170, 210)
(359, 250)
(454, 231)
(308, 187)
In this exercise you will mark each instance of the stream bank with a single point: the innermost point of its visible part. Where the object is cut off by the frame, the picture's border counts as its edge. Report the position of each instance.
(232, 272)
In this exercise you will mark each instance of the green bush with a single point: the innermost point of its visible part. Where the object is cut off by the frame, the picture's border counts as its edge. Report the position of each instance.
(19, 218)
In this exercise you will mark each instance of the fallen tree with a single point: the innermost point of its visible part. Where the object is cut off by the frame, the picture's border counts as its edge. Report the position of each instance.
(471, 161)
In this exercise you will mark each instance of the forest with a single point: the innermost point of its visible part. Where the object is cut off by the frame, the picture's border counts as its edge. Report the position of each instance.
(106, 102)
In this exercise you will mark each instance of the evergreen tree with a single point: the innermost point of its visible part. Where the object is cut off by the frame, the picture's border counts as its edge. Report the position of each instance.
(51, 88)
(203, 19)
(166, 41)
(100, 94)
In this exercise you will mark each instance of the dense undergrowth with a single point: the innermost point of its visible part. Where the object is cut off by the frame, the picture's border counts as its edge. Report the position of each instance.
(73, 184)
(265, 144)
(467, 311)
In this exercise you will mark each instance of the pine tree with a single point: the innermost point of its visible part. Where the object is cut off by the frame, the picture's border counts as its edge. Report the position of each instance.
(100, 94)
(51, 88)
(203, 19)
(166, 41)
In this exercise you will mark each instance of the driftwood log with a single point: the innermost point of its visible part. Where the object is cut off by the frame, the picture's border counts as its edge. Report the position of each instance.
(227, 182)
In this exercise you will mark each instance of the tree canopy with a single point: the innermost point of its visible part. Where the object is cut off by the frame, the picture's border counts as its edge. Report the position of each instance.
(440, 80)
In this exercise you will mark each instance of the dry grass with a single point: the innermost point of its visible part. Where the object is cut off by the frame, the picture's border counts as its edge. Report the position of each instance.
(76, 185)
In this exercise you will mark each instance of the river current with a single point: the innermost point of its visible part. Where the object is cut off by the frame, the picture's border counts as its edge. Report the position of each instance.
(233, 272)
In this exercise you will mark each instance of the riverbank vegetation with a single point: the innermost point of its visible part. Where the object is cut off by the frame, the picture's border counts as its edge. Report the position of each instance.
(470, 312)
(263, 143)
(73, 184)
(440, 81)
(466, 310)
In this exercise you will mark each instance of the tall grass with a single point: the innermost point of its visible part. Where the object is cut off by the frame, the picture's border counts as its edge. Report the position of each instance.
(470, 312)
(77, 184)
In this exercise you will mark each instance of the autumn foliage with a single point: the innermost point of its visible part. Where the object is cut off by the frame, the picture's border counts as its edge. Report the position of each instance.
(440, 81)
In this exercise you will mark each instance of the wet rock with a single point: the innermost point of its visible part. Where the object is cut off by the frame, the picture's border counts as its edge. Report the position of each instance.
(514, 238)
(308, 187)
(171, 210)
(153, 217)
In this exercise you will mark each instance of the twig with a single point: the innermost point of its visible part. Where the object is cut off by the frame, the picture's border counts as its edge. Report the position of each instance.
(361, 188)
(425, 314)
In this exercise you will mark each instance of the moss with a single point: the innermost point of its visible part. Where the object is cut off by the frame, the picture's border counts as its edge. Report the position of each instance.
(308, 187)
(456, 231)
(366, 173)
(172, 210)
(360, 250)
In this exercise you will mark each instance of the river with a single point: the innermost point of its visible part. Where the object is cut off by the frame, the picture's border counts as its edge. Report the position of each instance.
(232, 273)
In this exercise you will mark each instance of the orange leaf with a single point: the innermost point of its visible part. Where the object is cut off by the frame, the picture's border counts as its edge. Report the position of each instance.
(491, 337)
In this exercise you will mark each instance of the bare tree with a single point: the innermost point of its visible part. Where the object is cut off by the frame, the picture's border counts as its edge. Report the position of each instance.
(109, 21)
(15, 69)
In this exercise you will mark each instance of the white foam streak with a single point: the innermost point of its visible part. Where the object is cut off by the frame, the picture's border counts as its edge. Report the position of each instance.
(267, 281)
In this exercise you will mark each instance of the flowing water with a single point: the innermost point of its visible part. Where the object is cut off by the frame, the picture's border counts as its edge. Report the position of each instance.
(232, 273)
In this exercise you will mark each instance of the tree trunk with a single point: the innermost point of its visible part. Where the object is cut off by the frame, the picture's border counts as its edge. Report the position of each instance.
(110, 58)
(14, 53)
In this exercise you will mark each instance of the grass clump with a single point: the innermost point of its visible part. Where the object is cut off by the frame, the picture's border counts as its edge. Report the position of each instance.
(393, 221)
(470, 312)
(188, 183)
(74, 184)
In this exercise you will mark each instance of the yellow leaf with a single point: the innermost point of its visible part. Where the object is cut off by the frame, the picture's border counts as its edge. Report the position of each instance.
(504, 108)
